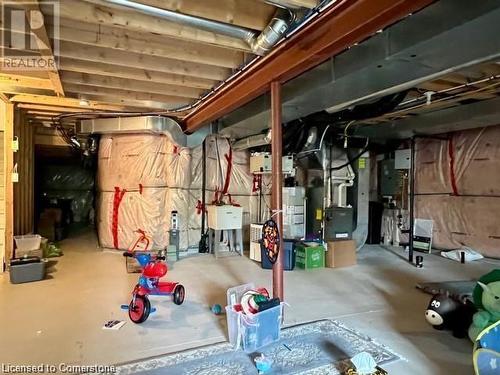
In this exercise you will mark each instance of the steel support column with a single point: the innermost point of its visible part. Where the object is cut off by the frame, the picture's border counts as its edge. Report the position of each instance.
(277, 184)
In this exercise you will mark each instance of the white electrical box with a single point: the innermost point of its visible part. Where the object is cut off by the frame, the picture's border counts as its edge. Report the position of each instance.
(402, 159)
(287, 164)
(225, 217)
(261, 162)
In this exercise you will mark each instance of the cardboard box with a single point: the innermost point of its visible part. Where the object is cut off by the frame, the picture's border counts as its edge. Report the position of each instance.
(341, 254)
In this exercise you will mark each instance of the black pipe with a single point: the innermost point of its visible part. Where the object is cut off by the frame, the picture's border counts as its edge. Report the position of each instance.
(203, 246)
(412, 199)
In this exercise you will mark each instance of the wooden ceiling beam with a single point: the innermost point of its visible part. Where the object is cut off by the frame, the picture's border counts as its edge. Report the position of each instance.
(128, 94)
(24, 81)
(152, 76)
(250, 14)
(98, 12)
(141, 42)
(50, 108)
(130, 84)
(148, 44)
(37, 25)
(134, 60)
(140, 105)
(339, 27)
(72, 103)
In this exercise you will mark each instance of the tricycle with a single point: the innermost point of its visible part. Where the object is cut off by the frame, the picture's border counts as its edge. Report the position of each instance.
(153, 268)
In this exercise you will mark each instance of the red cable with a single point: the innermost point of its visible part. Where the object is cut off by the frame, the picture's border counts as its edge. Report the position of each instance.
(117, 199)
(451, 154)
(229, 159)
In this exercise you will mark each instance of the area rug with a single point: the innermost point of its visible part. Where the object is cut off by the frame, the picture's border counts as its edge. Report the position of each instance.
(321, 347)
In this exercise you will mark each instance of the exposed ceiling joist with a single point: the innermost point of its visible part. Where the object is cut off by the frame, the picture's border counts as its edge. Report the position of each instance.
(52, 108)
(130, 84)
(124, 93)
(147, 75)
(25, 81)
(138, 105)
(338, 28)
(148, 44)
(134, 60)
(474, 115)
(251, 14)
(98, 12)
(70, 102)
(37, 25)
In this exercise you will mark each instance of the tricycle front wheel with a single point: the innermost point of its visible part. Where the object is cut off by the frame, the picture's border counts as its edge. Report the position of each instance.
(179, 294)
(138, 310)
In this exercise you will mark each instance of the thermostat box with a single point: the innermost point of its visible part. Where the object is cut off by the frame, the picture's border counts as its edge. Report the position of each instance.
(225, 217)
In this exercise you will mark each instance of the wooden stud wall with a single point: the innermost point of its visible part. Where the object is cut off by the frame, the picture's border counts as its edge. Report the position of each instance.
(6, 188)
(23, 190)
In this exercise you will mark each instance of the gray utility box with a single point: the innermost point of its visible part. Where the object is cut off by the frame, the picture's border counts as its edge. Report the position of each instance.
(25, 270)
(338, 223)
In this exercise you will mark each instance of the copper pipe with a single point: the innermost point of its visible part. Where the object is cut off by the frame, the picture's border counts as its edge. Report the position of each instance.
(277, 184)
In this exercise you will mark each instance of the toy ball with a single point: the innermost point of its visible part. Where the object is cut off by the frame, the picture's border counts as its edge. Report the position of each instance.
(216, 309)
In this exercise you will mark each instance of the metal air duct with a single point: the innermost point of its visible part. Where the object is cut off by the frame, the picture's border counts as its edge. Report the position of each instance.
(260, 44)
(138, 124)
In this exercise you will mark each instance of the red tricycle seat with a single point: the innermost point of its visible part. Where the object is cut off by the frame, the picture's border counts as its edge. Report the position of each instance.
(155, 270)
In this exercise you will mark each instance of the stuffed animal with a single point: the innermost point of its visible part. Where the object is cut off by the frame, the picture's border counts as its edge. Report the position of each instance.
(487, 300)
(451, 313)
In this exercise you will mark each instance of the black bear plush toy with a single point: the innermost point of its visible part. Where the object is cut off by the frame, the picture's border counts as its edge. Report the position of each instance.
(450, 313)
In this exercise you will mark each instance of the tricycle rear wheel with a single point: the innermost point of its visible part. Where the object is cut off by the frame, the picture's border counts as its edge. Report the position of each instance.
(139, 310)
(179, 294)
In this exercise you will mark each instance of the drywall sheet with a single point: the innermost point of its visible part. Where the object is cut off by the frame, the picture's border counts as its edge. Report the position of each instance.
(458, 186)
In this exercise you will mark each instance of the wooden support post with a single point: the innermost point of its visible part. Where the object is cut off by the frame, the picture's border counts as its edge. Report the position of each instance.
(277, 184)
(8, 159)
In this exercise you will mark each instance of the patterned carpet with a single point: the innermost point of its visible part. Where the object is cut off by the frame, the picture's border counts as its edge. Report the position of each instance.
(321, 347)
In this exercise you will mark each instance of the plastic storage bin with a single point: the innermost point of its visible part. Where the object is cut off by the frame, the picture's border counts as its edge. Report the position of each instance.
(251, 332)
(289, 261)
(28, 242)
(25, 270)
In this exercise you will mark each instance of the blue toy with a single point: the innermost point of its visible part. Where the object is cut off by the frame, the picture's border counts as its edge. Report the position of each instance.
(487, 351)
(217, 309)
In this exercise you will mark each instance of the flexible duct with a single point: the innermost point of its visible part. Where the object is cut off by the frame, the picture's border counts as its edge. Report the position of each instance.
(260, 44)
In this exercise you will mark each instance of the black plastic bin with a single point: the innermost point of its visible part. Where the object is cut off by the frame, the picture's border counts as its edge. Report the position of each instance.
(289, 264)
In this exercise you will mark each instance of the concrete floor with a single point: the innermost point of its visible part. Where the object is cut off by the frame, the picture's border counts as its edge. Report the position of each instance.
(60, 319)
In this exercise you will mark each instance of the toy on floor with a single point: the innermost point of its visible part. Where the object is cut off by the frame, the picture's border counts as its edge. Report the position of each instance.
(153, 268)
(487, 351)
(216, 309)
(263, 364)
(451, 313)
(486, 296)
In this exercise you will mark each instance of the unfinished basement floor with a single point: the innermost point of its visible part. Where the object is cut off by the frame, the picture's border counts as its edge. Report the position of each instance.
(60, 319)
